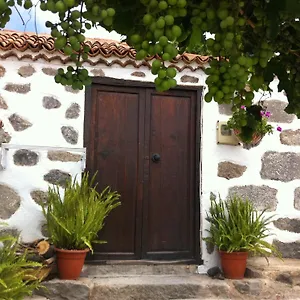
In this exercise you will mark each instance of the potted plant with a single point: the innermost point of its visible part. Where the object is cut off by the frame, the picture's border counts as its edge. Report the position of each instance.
(74, 221)
(236, 229)
(250, 124)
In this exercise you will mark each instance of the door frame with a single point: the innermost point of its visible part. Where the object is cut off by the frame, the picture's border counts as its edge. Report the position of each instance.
(109, 81)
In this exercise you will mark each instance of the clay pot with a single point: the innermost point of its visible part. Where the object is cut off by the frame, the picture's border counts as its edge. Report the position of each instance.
(70, 263)
(256, 138)
(234, 264)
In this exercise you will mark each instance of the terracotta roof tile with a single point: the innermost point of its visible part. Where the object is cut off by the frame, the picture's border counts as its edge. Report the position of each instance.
(101, 49)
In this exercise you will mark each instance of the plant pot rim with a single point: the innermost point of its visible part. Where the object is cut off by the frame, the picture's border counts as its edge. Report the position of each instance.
(233, 252)
(72, 250)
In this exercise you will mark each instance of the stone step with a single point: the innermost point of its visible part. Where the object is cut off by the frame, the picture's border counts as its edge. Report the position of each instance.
(142, 287)
(137, 269)
(166, 287)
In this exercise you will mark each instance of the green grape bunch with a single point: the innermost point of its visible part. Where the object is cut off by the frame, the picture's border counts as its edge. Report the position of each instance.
(248, 44)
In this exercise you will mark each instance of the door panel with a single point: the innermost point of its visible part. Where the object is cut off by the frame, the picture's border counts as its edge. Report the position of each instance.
(125, 124)
(169, 220)
(116, 138)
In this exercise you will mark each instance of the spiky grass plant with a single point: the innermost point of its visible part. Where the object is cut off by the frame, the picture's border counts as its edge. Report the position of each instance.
(13, 269)
(75, 220)
(235, 225)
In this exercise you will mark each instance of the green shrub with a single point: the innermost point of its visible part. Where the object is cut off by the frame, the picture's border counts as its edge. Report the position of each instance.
(235, 225)
(13, 267)
(75, 220)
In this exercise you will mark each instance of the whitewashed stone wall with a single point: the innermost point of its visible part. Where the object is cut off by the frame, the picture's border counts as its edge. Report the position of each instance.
(38, 112)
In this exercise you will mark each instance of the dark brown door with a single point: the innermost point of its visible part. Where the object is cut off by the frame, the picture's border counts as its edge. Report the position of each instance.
(144, 145)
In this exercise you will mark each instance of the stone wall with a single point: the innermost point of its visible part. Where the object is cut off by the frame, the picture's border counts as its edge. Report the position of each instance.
(38, 112)
(44, 123)
(268, 174)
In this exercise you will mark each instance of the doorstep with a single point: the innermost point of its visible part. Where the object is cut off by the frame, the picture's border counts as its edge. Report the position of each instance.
(167, 287)
(175, 282)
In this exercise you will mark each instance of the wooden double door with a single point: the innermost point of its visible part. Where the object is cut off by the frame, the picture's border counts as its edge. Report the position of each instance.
(145, 145)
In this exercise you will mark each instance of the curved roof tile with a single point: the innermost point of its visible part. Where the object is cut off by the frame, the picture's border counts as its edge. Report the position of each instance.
(100, 50)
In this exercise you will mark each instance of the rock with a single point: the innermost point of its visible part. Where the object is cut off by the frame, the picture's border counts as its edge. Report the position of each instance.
(138, 74)
(191, 79)
(248, 287)
(71, 90)
(262, 196)
(26, 71)
(210, 248)
(63, 156)
(19, 123)
(9, 201)
(288, 250)
(3, 104)
(51, 102)
(290, 137)
(230, 170)
(4, 231)
(4, 136)
(225, 109)
(18, 88)
(282, 166)
(70, 134)
(297, 198)
(278, 115)
(40, 197)
(65, 289)
(57, 177)
(44, 230)
(2, 71)
(212, 196)
(73, 111)
(49, 71)
(284, 278)
(292, 225)
(252, 273)
(97, 72)
(24, 157)
(215, 273)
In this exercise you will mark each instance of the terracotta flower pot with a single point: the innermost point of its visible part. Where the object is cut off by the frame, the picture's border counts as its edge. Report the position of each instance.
(70, 263)
(256, 138)
(234, 264)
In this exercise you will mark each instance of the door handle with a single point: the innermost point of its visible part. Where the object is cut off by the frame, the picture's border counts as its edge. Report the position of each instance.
(155, 157)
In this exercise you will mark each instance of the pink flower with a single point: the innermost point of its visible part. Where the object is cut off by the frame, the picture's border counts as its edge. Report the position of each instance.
(268, 114)
(262, 113)
(243, 107)
(279, 128)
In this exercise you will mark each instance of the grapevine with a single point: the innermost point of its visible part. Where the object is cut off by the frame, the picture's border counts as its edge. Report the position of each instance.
(250, 41)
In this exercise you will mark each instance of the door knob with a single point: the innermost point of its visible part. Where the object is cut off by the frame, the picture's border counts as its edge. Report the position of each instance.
(155, 157)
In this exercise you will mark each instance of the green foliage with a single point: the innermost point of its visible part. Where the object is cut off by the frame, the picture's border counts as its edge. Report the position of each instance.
(251, 42)
(250, 121)
(235, 225)
(74, 220)
(13, 268)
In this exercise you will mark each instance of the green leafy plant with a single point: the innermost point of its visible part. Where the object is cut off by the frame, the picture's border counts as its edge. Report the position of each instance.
(75, 220)
(250, 121)
(13, 270)
(235, 225)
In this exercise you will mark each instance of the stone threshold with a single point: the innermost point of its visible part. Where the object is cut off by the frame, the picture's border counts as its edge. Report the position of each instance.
(166, 287)
(278, 280)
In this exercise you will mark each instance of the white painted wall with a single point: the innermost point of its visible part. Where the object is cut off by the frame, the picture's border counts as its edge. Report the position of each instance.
(46, 131)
